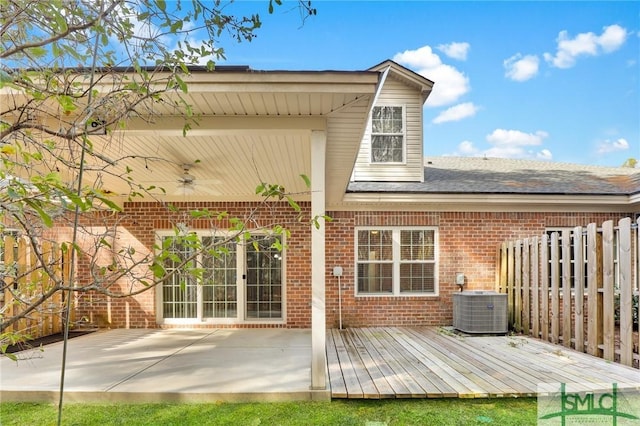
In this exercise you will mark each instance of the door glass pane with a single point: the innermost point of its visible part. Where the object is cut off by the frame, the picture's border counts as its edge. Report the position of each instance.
(179, 291)
(219, 280)
(264, 280)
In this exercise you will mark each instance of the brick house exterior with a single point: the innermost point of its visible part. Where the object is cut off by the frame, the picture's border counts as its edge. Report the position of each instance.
(469, 205)
(401, 226)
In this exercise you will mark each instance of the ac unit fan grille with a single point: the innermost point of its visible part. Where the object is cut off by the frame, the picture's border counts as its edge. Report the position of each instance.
(480, 312)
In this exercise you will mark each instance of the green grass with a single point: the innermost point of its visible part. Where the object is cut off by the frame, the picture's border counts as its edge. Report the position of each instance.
(521, 411)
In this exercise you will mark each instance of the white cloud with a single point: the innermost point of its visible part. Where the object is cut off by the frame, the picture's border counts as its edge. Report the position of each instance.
(455, 50)
(608, 146)
(450, 85)
(517, 144)
(456, 113)
(509, 144)
(521, 68)
(516, 138)
(586, 44)
(545, 154)
(612, 38)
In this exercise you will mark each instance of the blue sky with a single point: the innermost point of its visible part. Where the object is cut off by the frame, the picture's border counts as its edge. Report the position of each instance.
(557, 81)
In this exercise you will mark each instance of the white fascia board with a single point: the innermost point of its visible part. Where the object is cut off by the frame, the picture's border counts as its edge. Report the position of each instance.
(484, 203)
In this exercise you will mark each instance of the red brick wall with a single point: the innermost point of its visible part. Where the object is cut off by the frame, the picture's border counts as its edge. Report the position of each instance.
(467, 244)
(137, 228)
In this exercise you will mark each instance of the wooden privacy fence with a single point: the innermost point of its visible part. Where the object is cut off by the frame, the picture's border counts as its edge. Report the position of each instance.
(24, 281)
(576, 287)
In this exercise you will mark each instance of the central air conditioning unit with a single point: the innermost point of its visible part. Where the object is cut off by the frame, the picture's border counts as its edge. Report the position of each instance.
(480, 312)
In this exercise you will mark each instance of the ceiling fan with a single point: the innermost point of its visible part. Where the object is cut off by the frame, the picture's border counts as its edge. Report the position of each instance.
(187, 183)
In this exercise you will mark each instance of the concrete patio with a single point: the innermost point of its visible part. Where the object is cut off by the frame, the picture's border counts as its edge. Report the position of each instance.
(194, 365)
(239, 365)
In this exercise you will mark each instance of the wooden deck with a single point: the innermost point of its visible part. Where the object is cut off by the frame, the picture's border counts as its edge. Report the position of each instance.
(435, 363)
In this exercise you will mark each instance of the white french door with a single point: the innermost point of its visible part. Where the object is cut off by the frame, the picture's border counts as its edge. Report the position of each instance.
(239, 283)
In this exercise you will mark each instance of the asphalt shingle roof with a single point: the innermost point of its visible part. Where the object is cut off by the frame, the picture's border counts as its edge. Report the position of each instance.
(477, 175)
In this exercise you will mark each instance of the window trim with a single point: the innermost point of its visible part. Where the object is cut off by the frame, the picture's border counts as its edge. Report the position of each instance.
(404, 136)
(241, 262)
(396, 261)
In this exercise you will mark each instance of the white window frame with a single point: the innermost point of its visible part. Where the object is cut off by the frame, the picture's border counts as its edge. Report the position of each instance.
(404, 136)
(241, 297)
(396, 261)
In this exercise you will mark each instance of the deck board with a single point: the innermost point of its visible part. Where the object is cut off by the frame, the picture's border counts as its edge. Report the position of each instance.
(400, 378)
(385, 377)
(405, 366)
(481, 374)
(347, 369)
(425, 362)
(336, 378)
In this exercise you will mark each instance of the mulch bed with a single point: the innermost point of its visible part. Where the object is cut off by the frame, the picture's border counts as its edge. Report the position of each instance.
(46, 340)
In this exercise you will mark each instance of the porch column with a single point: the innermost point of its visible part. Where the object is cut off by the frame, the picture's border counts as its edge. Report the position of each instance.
(318, 323)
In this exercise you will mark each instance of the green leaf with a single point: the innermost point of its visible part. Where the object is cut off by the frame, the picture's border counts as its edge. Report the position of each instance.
(157, 270)
(37, 51)
(67, 104)
(277, 244)
(46, 219)
(11, 356)
(113, 206)
(162, 5)
(306, 179)
(181, 84)
(295, 206)
(176, 26)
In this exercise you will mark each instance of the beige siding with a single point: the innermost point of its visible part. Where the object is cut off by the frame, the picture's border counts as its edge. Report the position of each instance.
(395, 93)
(344, 129)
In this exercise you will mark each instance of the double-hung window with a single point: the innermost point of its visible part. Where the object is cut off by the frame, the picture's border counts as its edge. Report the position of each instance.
(387, 134)
(396, 261)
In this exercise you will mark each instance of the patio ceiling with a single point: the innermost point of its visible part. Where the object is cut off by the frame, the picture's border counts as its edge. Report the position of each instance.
(252, 127)
(223, 165)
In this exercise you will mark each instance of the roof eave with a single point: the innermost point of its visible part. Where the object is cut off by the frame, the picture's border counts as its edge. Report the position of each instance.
(489, 202)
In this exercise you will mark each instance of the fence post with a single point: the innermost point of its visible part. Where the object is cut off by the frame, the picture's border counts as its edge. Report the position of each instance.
(526, 288)
(544, 279)
(66, 270)
(34, 287)
(535, 286)
(555, 288)
(56, 299)
(626, 291)
(510, 283)
(21, 325)
(594, 283)
(518, 287)
(566, 288)
(608, 279)
(501, 268)
(9, 280)
(578, 287)
(46, 281)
